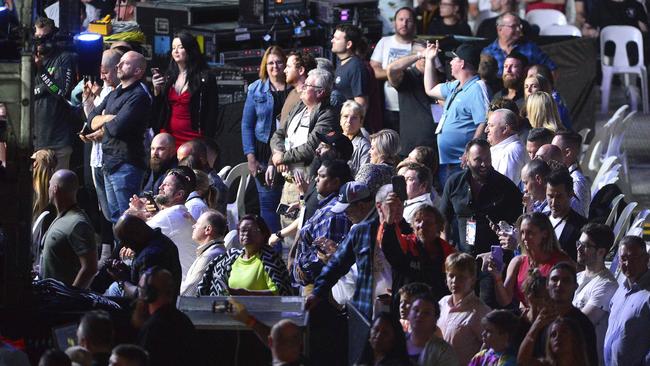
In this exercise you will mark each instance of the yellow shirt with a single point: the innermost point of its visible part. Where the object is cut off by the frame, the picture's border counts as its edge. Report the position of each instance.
(249, 274)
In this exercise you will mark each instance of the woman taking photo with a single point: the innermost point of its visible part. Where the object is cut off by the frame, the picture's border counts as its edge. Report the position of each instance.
(260, 119)
(255, 270)
(185, 96)
(539, 249)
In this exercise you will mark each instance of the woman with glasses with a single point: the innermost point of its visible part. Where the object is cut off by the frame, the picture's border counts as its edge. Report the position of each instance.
(255, 270)
(452, 20)
(540, 250)
(184, 103)
(260, 119)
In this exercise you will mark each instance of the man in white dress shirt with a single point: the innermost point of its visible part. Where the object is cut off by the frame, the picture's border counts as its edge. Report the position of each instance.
(508, 153)
(418, 188)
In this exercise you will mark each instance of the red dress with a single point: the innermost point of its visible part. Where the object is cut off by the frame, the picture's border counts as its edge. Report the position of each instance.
(180, 117)
(544, 268)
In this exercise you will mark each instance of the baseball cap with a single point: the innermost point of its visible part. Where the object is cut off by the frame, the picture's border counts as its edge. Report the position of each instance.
(339, 142)
(351, 192)
(467, 52)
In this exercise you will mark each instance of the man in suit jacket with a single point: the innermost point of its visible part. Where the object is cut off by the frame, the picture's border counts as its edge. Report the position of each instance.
(566, 222)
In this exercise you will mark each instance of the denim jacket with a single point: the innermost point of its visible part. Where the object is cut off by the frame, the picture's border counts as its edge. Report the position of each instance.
(257, 116)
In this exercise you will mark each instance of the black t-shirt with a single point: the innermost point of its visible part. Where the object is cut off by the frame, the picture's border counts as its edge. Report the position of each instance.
(438, 27)
(168, 336)
(626, 12)
(417, 127)
(351, 78)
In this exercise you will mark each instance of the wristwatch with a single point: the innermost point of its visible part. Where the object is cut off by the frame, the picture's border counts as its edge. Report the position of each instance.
(279, 234)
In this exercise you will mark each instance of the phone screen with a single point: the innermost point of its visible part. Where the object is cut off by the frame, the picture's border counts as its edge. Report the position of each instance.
(497, 256)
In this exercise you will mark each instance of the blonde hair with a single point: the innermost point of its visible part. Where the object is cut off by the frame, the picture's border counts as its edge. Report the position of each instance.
(461, 262)
(542, 111)
(387, 145)
(273, 50)
(43, 167)
(355, 108)
(205, 190)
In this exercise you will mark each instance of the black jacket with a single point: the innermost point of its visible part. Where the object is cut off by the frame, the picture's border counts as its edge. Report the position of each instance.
(571, 233)
(203, 106)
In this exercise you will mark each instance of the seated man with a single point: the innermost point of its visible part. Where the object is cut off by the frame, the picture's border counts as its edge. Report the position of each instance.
(173, 219)
(129, 355)
(166, 333)
(510, 39)
(194, 154)
(208, 233)
(150, 247)
(162, 158)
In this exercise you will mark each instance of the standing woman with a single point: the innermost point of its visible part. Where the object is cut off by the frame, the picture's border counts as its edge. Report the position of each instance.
(260, 119)
(185, 96)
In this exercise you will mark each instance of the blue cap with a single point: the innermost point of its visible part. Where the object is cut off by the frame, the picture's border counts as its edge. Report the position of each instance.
(351, 192)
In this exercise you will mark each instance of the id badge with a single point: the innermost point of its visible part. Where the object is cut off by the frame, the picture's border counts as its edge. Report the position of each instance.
(470, 232)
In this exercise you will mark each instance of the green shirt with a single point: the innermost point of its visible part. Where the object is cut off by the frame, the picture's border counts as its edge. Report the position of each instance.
(249, 274)
(69, 236)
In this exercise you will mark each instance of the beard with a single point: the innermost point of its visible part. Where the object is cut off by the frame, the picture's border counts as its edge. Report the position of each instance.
(511, 82)
(156, 164)
(162, 200)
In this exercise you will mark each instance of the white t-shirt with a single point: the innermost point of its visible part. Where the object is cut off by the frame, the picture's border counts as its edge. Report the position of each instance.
(176, 223)
(388, 49)
(596, 291)
(508, 157)
(297, 130)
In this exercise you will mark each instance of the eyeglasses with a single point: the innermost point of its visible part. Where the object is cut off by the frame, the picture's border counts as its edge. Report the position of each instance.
(275, 63)
(513, 26)
(582, 244)
(313, 86)
(249, 230)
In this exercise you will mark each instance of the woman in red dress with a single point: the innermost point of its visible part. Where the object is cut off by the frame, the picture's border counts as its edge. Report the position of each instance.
(185, 103)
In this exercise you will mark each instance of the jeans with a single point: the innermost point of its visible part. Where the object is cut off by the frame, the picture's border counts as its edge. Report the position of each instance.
(269, 200)
(120, 186)
(100, 188)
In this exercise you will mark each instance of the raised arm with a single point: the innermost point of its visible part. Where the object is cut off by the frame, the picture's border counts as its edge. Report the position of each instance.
(431, 77)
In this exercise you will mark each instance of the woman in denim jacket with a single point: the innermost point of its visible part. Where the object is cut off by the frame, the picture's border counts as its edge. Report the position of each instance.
(260, 119)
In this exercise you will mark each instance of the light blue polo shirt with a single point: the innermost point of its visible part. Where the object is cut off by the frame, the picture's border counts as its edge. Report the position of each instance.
(465, 109)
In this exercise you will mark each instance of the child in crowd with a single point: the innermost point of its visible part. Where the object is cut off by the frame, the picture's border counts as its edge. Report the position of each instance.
(462, 311)
(407, 294)
(499, 328)
(423, 345)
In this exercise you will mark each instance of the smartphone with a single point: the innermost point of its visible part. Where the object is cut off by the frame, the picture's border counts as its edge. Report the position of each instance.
(86, 130)
(149, 197)
(282, 209)
(399, 187)
(506, 228)
(497, 256)
(155, 70)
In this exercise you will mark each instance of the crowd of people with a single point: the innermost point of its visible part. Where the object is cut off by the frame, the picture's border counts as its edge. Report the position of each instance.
(450, 210)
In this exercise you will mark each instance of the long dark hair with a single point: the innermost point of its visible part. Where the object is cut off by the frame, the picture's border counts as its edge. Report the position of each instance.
(195, 63)
(398, 352)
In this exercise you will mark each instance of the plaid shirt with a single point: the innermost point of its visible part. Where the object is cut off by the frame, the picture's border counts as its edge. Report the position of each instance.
(529, 49)
(357, 247)
(324, 223)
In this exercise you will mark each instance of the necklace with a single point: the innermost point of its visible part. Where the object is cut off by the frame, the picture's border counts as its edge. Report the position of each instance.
(344, 59)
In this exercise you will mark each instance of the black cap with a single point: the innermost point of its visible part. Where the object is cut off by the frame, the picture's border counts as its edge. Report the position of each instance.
(467, 52)
(338, 141)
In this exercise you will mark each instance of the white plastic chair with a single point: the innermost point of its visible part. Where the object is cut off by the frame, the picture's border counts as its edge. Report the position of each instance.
(611, 176)
(617, 132)
(604, 168)
(636, 228)
(614, 212)
(560, 30)
(239, 171)
(223, 173)
(623, 222)
(621, 35)
(544, 18)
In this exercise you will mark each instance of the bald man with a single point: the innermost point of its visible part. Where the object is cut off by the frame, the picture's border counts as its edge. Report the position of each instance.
(194, 154)
(69, 251)
(551, 154)
(123, 117)
(285, 342)
(162, 157)
(151, 248)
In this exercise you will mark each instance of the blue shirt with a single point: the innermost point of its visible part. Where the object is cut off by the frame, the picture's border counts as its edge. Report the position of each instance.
(357, 247)
(324, 223)
(465, 109)
(529, 49)
(627, 341)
